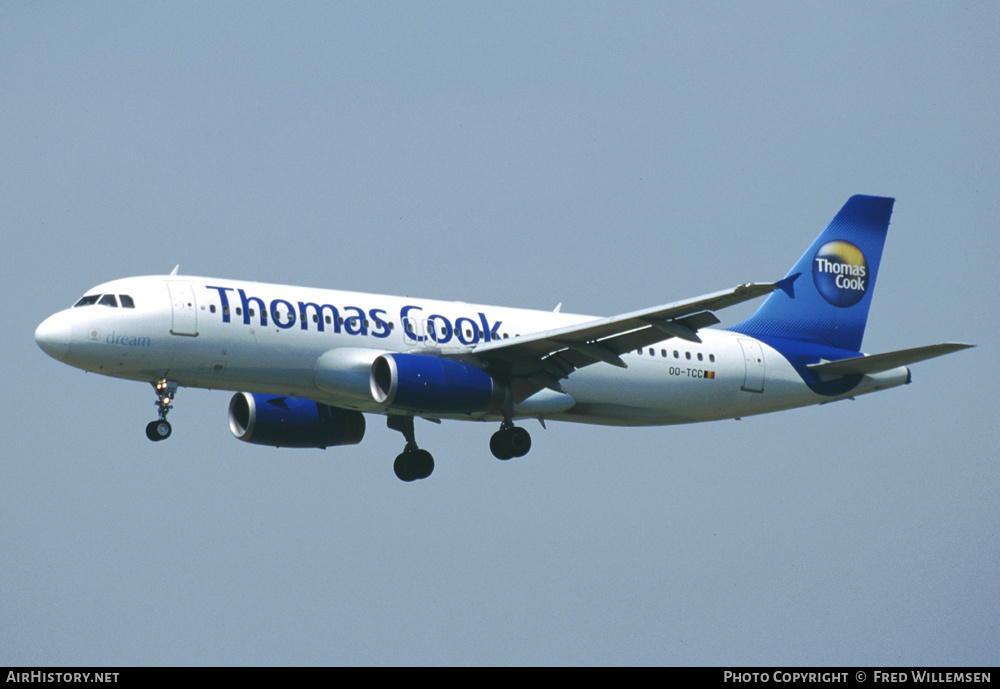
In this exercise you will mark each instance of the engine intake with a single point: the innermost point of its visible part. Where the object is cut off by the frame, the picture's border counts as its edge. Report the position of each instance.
(292, 422)
(426, 383)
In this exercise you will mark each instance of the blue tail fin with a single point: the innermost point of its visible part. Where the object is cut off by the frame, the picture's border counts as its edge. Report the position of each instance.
(825, 297)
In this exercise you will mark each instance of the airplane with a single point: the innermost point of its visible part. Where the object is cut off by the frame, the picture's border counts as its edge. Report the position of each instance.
(307, 364)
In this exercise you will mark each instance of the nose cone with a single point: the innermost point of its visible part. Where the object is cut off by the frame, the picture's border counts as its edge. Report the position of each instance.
(53, 336)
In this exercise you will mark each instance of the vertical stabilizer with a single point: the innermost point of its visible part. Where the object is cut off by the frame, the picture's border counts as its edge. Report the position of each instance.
(826, 295)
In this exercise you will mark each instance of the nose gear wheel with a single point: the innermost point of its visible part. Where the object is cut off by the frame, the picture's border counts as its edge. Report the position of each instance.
(165, 392)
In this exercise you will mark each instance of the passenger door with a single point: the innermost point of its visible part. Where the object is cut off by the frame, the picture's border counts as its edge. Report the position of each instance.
(185, 310)
(753, 355)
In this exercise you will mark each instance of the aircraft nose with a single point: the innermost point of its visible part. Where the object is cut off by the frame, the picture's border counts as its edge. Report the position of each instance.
(53, 335)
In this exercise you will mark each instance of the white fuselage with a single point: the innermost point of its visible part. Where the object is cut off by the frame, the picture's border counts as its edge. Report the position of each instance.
(319, 344)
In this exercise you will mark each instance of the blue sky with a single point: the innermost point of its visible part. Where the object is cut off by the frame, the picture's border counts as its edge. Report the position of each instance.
(606, 156)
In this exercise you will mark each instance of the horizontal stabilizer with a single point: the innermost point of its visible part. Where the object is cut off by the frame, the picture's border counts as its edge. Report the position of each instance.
(877, 363)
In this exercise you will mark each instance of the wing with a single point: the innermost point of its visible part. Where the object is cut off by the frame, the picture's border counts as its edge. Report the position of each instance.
(541, 360)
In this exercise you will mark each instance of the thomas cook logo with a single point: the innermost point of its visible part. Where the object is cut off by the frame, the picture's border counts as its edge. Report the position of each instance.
(840, 273)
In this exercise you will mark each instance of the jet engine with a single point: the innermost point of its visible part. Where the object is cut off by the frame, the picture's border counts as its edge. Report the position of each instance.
(292, 422)
(432, 384)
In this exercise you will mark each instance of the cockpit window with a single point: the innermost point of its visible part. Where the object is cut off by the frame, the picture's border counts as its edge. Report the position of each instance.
(87, 300)
(107, 300)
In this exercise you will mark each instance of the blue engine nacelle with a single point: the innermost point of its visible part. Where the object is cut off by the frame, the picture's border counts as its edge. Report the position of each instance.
(292, 422)
(425, 383)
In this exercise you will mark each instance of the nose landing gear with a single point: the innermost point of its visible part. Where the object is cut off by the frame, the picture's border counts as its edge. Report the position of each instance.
(165, 392)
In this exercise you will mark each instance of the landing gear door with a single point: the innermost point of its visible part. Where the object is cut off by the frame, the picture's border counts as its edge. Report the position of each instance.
(753, 355)
(185, 310)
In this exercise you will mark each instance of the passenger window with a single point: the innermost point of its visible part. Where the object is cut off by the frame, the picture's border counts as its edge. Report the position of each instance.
(687, 355)
(127, 302)
(700, 357)
(677, 355)
(211, 307)
(109, 300)
(88, 300)
(711, 357)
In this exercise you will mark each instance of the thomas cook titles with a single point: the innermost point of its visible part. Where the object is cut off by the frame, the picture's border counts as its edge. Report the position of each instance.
(840, 273)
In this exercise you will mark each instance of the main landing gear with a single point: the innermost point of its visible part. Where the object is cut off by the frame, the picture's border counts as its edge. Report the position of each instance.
(413, 463)
(510, 441)
(165, 392)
